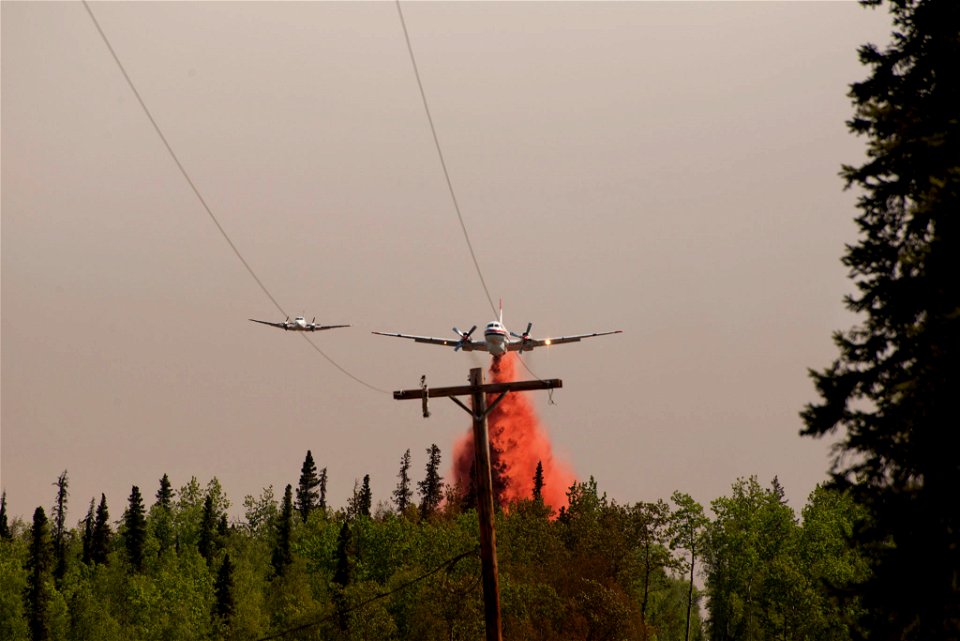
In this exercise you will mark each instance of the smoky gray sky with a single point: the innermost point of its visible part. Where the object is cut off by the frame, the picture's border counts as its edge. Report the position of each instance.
(665, 168)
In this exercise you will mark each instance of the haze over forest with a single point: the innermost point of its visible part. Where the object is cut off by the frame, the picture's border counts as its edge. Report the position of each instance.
(669, 169)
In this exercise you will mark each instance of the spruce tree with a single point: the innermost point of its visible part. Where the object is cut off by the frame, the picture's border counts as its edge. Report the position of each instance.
(224, 604)
(100, 538)
(165, 493)
(538, 483)
(282, 557)
(322, 489)
(892, 391)
(135, 529)
(403, 494)
(365, 502)
(431, 487)
(161, 516)
(206, 544)
(88, 524)
(4, 526)
(308, 497)
(59, 514)
(39, 569)
(343, 574)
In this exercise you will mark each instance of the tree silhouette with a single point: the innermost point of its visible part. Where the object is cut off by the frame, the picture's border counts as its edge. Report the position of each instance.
(4, 526)
(39, 575)
(893, 389)
(403, 494)
(431, 487)
(308, 495)
(100, 537)
(135, 529)
(282, 557)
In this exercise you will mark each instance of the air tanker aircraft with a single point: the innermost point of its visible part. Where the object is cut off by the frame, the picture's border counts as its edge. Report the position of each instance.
(496, 339)
(298, 324)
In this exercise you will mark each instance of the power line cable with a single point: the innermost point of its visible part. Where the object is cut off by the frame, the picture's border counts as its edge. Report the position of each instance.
(448, 564)
(203, 202)
(446, 174)
(443, 163)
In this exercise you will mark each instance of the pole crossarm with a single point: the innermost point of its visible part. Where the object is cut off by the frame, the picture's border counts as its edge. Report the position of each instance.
(488, 388)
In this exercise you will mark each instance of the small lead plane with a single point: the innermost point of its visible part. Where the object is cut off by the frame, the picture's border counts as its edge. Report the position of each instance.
(298, 324)
(496, 339)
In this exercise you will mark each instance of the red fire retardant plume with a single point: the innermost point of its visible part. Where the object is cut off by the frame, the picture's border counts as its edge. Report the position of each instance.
(518, 441)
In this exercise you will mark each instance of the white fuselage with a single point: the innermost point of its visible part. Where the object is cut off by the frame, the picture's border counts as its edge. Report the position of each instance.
(298, 323)
(496, 336)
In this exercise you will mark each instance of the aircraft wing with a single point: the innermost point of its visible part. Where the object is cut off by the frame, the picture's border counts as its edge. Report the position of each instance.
(530, 343)
(280, 325)
(317, 328)
(468, 346)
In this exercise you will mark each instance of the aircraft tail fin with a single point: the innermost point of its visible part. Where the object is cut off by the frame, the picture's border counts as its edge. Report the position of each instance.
(501, 311)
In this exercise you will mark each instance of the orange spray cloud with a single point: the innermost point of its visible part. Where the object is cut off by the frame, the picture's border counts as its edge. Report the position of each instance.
(517, 442)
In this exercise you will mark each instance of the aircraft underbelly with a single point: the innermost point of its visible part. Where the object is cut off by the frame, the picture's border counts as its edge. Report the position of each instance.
(496, 344)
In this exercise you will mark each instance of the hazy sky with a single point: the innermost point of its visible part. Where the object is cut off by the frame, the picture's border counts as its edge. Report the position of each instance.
(669, 169)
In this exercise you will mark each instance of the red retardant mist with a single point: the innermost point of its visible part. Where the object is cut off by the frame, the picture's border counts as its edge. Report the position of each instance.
(518, 442)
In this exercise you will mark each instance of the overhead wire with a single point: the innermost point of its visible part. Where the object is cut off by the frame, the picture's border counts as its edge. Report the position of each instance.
(443, 163)
(203, 202)
(448, 565)
(446, 174)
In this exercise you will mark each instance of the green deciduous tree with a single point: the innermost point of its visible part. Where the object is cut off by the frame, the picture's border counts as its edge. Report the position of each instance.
(685, 528)
(893, 389)
(752, 572)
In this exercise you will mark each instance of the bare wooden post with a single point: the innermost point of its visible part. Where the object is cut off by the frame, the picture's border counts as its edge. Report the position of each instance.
(483, 476)
(483, 479)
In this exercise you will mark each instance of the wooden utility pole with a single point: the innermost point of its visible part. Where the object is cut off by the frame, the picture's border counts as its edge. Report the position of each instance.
(483, 480)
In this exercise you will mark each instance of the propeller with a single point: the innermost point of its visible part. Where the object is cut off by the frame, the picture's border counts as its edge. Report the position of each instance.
(523, 337)
(314, 321)
(464, 337)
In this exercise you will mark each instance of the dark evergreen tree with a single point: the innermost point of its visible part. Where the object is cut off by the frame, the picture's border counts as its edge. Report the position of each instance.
(343, 573)
(88, 525)
(365, 497)
(223, 589)
(403, 494)
(165, 493)
(59, 514)
(161, 520)
(206, 544)
(4, 526)
(431, 487)
(100, 538)
(39, 570)
(322, 489)
(893, 389)
(344, 561)
(282, 556)
(538, 483)
(308, 496)
(135, 529)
